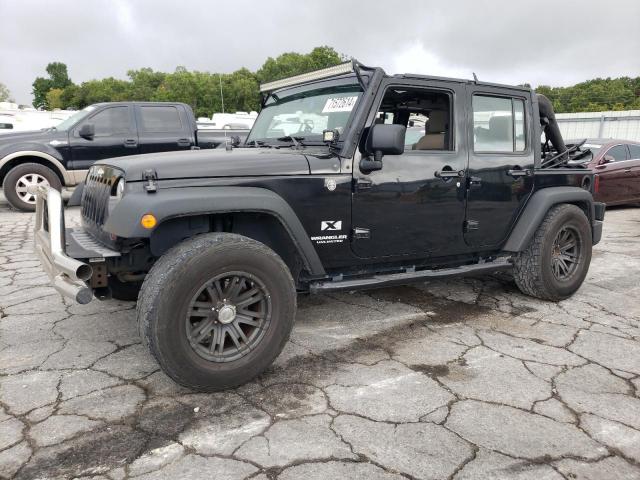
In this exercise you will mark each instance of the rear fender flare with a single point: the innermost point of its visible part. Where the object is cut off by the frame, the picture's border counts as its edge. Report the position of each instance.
(536, 209)
(165, 204)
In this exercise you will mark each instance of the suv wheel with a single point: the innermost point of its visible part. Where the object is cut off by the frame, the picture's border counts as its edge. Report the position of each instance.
(556, 262)
(216, 310)
(18, 181)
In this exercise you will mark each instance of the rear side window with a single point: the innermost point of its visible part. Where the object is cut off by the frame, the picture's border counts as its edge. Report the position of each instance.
(160, 119)
(619, 153)
(635, 151)
(111, 121)
(498, 124)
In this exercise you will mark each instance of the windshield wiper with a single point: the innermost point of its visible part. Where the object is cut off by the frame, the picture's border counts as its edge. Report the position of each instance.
(297, 141)
(257, 143)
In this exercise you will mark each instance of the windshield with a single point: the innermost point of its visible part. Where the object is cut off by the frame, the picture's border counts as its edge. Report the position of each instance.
(71, 121)
(305, 114)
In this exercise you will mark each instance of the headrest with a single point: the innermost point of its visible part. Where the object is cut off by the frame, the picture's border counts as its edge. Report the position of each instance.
(500, 127)
(437, 121)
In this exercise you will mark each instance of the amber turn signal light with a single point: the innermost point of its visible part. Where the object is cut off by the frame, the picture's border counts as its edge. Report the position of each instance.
(148, 221)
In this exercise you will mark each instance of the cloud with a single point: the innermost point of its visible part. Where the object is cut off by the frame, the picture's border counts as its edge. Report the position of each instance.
(507, 41)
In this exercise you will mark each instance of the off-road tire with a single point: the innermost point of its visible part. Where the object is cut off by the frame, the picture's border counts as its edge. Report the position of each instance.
(533, 271)
(164, 299)
(11, 179)
(126, 291)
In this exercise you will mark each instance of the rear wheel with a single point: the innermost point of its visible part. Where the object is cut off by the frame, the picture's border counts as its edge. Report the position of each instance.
(19, 182)
(556, 262)
(216, 310)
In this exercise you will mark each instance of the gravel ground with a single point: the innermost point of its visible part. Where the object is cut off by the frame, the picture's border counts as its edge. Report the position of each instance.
(450, 379)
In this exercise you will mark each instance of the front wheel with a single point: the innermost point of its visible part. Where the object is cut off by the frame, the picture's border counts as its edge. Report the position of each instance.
(556, 262)
(216, 310)
(19, 183)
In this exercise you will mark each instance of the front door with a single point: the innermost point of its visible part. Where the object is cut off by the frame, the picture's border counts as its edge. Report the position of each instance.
(615, 175)
(414, 206)
(501, 161)
(115, 136)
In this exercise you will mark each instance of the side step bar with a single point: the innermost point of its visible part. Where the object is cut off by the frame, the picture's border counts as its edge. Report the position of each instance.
(391, 279)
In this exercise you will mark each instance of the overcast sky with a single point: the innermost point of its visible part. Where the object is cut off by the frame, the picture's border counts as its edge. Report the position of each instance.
(556, 42)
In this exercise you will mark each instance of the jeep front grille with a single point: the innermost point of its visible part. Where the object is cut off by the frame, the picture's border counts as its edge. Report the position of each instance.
(98, 187)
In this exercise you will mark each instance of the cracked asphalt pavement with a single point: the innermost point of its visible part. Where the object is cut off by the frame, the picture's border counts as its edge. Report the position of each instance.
(459, 379)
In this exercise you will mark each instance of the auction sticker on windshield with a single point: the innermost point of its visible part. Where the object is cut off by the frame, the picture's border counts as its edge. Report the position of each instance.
(339, 104)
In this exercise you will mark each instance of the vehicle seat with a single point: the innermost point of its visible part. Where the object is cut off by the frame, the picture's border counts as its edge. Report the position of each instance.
(435, 132)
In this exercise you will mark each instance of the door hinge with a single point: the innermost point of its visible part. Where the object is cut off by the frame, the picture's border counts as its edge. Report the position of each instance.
(363, 184)
(360, 233)
(471, 225)
(150, 177)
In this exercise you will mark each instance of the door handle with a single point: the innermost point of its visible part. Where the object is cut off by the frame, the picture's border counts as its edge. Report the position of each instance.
(627, 170)
(518, 172)
(446, 174)
(130, 143)
(184, 142)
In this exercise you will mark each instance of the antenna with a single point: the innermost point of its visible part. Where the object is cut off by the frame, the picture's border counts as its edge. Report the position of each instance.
(222, 95)
(475, 77)
(226, 140)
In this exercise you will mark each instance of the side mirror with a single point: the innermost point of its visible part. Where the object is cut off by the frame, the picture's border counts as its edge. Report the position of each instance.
(88, 131)
(382, 140)
(607, 159)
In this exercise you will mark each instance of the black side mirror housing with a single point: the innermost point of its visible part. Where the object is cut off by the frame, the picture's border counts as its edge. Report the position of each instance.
(383, 140)
(88, 131)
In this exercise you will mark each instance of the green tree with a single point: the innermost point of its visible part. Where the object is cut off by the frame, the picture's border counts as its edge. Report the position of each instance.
(595, 95)
(54, 98)
(58, 74)
(58, 78)
(70, 97)
(144, 83)
(5, 94)
(291, 63)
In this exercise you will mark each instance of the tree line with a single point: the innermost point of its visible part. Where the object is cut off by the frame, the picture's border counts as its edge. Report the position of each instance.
(595, 95)
(201, 90)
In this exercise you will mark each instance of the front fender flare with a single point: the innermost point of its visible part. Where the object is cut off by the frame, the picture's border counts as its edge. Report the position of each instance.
(124, 219)
(536, 209)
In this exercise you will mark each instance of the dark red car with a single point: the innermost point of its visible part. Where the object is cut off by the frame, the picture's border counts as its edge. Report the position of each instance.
(617, 165)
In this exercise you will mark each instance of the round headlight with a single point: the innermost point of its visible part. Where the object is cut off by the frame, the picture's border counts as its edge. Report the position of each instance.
(120, 189)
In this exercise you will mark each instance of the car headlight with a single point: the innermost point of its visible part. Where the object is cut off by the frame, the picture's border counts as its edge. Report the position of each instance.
(120, 188)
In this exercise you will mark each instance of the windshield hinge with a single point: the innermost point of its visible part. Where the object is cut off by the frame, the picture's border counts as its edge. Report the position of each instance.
(151, 178)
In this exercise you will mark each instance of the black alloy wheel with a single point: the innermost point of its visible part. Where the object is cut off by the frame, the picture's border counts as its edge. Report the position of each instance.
(565, 253)
(228, 316)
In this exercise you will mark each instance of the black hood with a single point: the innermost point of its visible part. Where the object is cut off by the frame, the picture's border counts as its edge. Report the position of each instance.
(38, 140)
(30, 136)
(239, 162)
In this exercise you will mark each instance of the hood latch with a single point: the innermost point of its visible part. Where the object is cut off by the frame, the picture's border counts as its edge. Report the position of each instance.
(151, 178)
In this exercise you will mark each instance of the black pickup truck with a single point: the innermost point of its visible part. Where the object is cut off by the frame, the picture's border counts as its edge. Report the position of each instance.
(61, 156)
(328, 193)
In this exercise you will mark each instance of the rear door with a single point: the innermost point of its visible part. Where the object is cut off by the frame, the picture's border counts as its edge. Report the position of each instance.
(164, 128)
(615, 176)
(501, 160)
(115, 136)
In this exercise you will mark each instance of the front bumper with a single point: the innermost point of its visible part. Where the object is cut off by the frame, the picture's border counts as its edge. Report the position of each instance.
(61, 249)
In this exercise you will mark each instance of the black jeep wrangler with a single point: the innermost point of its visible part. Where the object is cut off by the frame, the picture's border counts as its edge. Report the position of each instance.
(327, 193)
